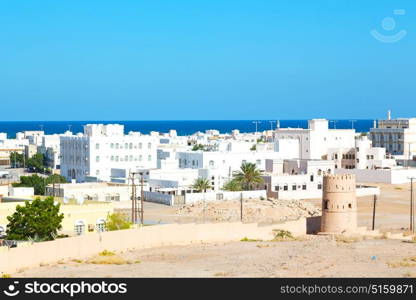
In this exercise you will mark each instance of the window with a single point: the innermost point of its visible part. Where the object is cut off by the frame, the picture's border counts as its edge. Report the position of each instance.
(117, 145)
(326, 204)
(319, 186)
(131, 146)
(294, 187)
(79, 227)
(100, 225)
(149, 158)
(97, 159)
(319, 172)
(304, 186)
(97, 146)
(126, 158)
(116, 158)
(112, 145)
(211, 163)
(149, 145)
(311, 178)
(276, 188)
(285, 187)
(126, 146)
(112, 158)
(140, 157)
(140, 145)
(97, 172)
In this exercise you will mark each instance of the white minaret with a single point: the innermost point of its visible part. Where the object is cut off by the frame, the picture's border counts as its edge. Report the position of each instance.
(374, 124)
(389, 114)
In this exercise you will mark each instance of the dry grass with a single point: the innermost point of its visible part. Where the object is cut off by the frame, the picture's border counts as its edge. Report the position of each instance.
(78, 261)
(108, 258)
(342, 239)
(246, 239)
(405, 262)
(263, 245)
(106, 253)
(222, 274)
(282, 236)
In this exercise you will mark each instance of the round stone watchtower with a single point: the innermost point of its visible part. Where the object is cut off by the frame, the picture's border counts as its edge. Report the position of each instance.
(339, 204)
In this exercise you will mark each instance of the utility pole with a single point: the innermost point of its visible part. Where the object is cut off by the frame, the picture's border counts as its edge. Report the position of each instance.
(374, 211)
(141, 198)
(133, 199)
(352, 123)
(335, 123)
(241, 207)
(257, 124)
(271, 124)
(412, 207)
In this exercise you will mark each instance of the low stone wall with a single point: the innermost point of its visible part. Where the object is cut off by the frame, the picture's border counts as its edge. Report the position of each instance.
(32, 255)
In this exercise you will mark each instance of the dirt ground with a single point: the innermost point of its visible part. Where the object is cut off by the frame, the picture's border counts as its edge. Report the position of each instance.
(392, 210)
(314, 256)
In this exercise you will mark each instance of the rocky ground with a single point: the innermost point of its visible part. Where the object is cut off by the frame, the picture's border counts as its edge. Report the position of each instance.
(259, 211)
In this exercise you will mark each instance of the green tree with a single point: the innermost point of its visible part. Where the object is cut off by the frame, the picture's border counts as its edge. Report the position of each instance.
(39, 220)
(253, 148)
(248, 176)
(198, 147)
(55, 178)
(232, 185)
(39, 183)
(16, 159)
(36, 163)
(117, 221)
(201, 185)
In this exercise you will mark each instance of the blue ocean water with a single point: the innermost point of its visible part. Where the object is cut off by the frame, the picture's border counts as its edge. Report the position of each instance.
(182, 127)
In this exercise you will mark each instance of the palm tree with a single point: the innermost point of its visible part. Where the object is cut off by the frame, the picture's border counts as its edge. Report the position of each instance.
(232, 185)
(248, 176)
(201, 185)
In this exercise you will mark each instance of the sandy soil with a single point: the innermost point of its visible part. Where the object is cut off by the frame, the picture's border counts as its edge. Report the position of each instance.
(315, 256)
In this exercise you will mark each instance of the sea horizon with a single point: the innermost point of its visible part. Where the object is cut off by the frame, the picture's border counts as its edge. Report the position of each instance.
(183, 127)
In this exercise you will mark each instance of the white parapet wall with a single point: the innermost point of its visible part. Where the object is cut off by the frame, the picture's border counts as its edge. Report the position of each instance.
(224, 195)
(159, 198)
(390, 176)
(81, 247)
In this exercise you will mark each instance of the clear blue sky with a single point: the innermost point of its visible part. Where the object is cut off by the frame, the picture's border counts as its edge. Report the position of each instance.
(156, 60)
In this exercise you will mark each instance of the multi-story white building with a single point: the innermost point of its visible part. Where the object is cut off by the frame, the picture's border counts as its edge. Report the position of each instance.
(219, 166)
(296, 178)
(315, 141)
(398, 136)
(91, 156)
(362, 156)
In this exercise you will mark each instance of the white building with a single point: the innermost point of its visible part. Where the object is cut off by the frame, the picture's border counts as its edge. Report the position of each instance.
(314, 142)
(397, 136)
(296, 178)
(219, 166)
(362, 156)
(92, 155)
